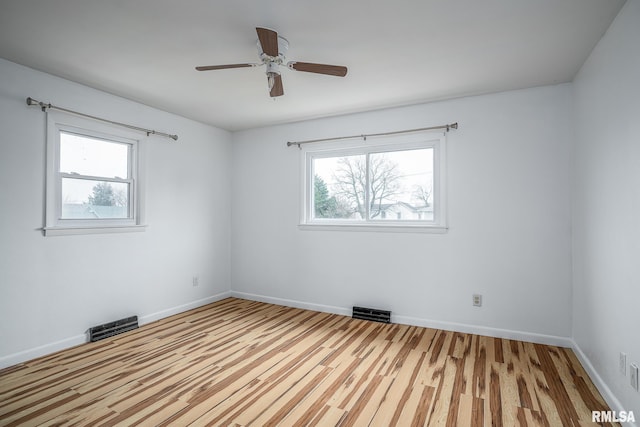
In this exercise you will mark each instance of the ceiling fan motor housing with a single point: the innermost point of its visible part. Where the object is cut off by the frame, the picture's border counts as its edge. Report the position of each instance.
(273, 67)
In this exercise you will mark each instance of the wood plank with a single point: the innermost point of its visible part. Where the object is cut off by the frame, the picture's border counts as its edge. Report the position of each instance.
(444, 393)
(393, 403)
(365, 407)
(470, 411)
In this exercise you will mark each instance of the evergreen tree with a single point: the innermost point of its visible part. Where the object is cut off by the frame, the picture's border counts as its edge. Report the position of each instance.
(324, 205)
(102, 195)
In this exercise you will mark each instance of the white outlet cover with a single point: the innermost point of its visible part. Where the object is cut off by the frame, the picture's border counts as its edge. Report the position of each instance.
(633, 370)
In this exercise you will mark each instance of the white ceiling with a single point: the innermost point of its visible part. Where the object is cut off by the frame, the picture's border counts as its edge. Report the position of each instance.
(398, 52)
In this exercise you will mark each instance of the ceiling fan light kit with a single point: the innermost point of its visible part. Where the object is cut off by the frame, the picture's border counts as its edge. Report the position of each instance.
(272, 50)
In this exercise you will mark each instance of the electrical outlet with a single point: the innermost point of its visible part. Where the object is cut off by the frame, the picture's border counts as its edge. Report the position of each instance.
(195, 281)
(477, 300)
(623, 363)
(633, 374)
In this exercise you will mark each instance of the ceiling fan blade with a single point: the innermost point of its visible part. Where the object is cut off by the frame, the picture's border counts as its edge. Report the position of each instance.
(268, 40)
(222, 67)
(309, 67)
(277, 89)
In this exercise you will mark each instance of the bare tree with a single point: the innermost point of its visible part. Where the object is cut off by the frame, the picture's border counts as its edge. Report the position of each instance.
(120, 197)
(422, 194)
(350, 181)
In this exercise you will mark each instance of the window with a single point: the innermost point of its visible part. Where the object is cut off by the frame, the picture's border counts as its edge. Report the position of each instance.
(391, 183)
(93, 177)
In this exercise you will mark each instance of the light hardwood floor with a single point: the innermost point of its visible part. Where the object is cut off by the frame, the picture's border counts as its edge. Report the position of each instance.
(238, 362)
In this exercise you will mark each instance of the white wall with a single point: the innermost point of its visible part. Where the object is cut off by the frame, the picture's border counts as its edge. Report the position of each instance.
(509, 212)
(606, 209)
(513, 172)
(53, 288)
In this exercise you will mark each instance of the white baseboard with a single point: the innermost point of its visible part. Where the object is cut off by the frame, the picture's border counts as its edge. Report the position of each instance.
(415, 321)
(43, 350)
(602, 387)
(485, 330)
(293, 303)
(148, 318)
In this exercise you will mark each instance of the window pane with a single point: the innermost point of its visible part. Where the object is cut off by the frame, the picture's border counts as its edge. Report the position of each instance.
(401, 185)
(88, 199)
(338, 187)
(92, 156)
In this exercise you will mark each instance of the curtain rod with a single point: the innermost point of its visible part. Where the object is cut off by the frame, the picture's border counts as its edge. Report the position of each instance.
(309, 141)
(31, 101)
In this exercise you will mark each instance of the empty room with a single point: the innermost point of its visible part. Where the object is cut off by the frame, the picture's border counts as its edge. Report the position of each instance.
(335, 213)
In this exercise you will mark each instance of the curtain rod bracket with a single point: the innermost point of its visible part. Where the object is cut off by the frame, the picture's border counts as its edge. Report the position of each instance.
(43, 106)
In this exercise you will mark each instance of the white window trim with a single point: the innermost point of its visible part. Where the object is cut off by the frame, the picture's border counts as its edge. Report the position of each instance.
(55, 226)
(435, 140)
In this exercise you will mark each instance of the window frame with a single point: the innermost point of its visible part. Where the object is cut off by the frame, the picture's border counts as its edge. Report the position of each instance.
(423, 140)
(57, 123)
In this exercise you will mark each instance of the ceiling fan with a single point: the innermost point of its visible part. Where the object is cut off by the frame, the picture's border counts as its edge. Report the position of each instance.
(271, 51)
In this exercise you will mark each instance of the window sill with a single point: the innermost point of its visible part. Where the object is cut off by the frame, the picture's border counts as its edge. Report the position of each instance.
(69, 231)
(399, 228)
